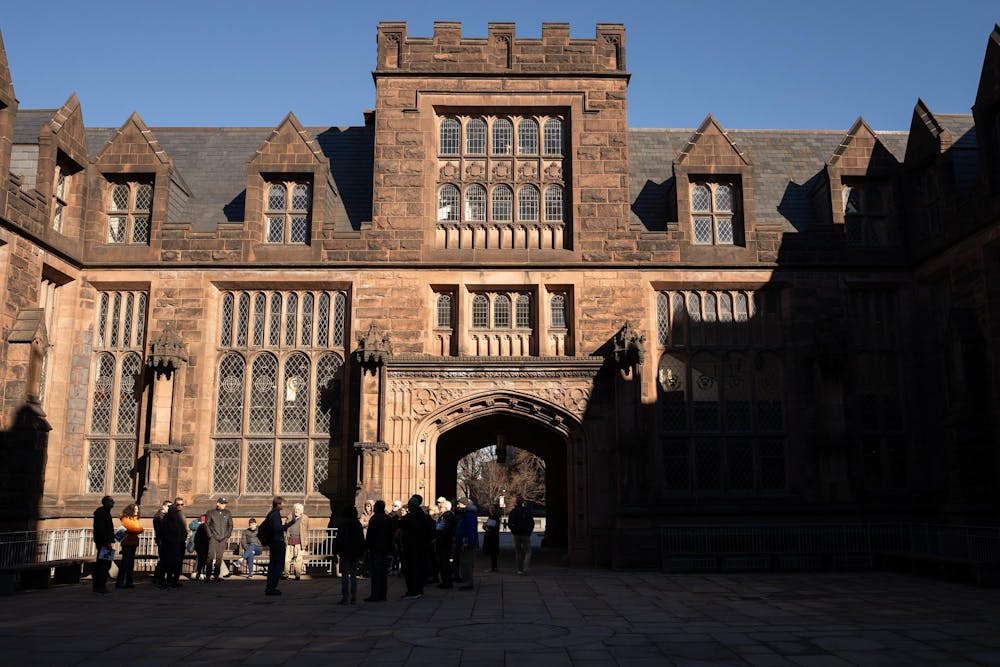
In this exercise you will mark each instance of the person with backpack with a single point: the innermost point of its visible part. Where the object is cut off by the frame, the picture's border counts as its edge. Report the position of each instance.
(522, 524)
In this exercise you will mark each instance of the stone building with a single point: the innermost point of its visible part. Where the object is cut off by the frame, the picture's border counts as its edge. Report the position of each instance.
(689, 326)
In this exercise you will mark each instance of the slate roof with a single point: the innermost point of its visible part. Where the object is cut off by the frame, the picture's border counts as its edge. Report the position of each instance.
(28, 124)
(965, 149)
(787, 166)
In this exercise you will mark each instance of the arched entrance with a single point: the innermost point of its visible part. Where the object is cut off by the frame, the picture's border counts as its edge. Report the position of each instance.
(520, 432)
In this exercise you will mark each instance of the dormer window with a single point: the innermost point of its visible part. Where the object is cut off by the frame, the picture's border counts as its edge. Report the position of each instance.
(60, 194)
(713, 212)
(129, 211)
(287, 212)
(866, 214)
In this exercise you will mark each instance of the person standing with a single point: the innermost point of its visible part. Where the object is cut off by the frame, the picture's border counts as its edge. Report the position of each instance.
(416, 532)
(444, 539)
(130, 521)
(276, 556)
(172, 543)
(219, 526)
(467, 540)
(104, 538)
(491, 536)
(350, 544)
(198, 544)
(157, 538)
(522, 524)
(379, 543)
(250, 546)
(295, 538)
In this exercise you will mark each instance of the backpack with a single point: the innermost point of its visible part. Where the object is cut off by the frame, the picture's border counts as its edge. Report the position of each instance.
(265, 532)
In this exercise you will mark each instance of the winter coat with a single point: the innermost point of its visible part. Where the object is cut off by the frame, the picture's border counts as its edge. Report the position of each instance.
(350, 539)
(416, 531)
(467, 529)
(104, 527)
(174, 533)
(219, 524)
(521, 521)
(491, 535)
(133, 530)
(445, 532)
(380, 534)
(201, 540)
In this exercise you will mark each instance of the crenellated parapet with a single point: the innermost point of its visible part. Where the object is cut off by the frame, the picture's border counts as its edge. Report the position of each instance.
(501, 51)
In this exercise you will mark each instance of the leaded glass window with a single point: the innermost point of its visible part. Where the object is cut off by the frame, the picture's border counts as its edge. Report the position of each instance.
(260, 467)
(339, 318)
(448, 203)
(274, 320)
(558, 311)
(480, 312)
(503, 203)
(527, 204)
(865, 214)
(307, 319)
(263, 386)
(522, 314)
(475, 136)
(450, 139)
(503, 137)
(323, 321)
(527, 137)
(102, 397)
(259, 318)
(124, 464)
(444, 311)
(321, 465)
(328, 370)
(662, 319)
(291, 318)
(226, 466)
(501, 312)
(553, 204)
(553, 132)
(713, 211)
(475, 203)
(130, 204)
(292, 468)
(295, 395)
(229, 403)
(287, 206)
(243, 320)
(97, 466)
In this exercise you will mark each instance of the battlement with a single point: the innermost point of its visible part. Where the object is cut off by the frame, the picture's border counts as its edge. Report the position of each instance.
(448, 52)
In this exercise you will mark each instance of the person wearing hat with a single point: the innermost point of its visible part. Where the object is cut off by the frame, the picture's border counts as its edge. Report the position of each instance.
(219, 525)
(416, 533)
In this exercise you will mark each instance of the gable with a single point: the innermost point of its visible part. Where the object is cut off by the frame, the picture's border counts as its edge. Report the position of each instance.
(862, 151)
(134, 147)
(67, 127)
(288, 148)
(711, 145)
(927, 138)
(7, 98)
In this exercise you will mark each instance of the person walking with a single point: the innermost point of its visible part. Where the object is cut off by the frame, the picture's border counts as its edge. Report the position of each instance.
(491, 536)
(157, 538)
(219, 526)
(379, 544)
(350, 544)
(467, 541)
(522, 524)
(104, 540)
(250, 546)
(172, 543)
(416, 531)
(295, 539)
(276, 544)
(444, 541)
(130, 521)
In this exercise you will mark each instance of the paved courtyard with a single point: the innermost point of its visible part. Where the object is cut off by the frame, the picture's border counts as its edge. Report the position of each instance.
(555, 616)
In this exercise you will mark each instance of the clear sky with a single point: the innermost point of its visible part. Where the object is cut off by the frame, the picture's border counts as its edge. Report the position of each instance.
(754, 64)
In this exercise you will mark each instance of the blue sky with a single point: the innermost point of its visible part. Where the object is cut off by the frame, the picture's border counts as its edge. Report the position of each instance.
(761, 64)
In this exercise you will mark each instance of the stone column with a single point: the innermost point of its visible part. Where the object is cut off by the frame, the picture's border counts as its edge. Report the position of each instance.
(373, 351)
(158, 464)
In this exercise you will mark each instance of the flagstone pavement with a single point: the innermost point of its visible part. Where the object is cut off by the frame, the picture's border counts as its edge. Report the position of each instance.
(554, 616)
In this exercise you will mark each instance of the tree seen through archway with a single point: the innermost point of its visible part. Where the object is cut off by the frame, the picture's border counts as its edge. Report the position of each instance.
(501, 471)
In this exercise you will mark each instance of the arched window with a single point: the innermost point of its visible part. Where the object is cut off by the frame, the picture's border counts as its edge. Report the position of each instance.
(307, 319)
(712, 206)
(263, 387)
(522, 311)
(299, 214)
(475, 136)
(694, 316)
(503, 203)
(276, 197)
(327, 376)
(475, 203)
(295, 394)
(501, 311)
(127, 322)
(444, 311)
(128, 396)
(662, 319)
(101, 401)
(339, 318)
(480, 312)
(274, 320)
(116, 312)
(323, 321)
(448, 198)
(553, 137)
(527, 137)
(553, 204)
(128, 212)
(503, 137)
(558, 311)
(291, 318)
(259, 318)
(450, 137)
(229, 405)
(243, 320)
(527, 204)
(287, 212)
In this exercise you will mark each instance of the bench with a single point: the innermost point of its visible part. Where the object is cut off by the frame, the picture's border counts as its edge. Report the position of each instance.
(39, 575)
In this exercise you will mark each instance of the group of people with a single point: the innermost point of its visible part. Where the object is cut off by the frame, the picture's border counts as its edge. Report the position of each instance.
(428, 546)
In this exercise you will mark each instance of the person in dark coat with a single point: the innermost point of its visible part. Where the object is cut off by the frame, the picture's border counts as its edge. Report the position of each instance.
(276, 549)
(219, 526)
(200, 541)
(350, 544)
(416, 531)
(444, 541)
(491, 536)
(172, 543)
(379, 544)
(104, 537)
(157, 532)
